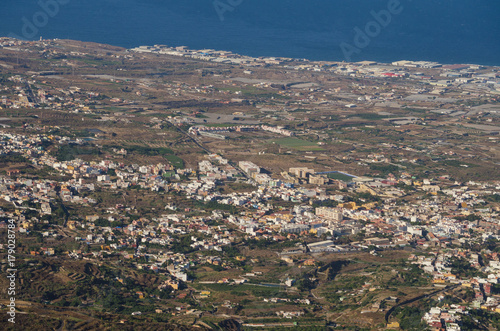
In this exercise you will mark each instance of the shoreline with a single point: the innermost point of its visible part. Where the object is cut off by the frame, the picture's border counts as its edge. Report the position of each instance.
(209, 54)
(244, 55)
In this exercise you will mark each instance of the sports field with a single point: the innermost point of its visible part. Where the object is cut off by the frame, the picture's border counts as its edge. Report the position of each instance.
(340, 176)
(299, 144)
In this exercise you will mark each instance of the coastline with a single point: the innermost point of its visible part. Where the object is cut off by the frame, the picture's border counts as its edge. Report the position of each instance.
(218, 55)
(422, 31)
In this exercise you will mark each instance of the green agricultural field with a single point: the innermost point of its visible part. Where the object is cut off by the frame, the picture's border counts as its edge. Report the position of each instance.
(299, 144)
(175, 161)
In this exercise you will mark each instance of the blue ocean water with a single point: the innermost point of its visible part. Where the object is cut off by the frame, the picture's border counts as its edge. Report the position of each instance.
(447, 31)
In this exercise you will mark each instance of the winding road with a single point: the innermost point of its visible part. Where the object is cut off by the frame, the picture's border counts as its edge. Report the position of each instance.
(389, 312)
